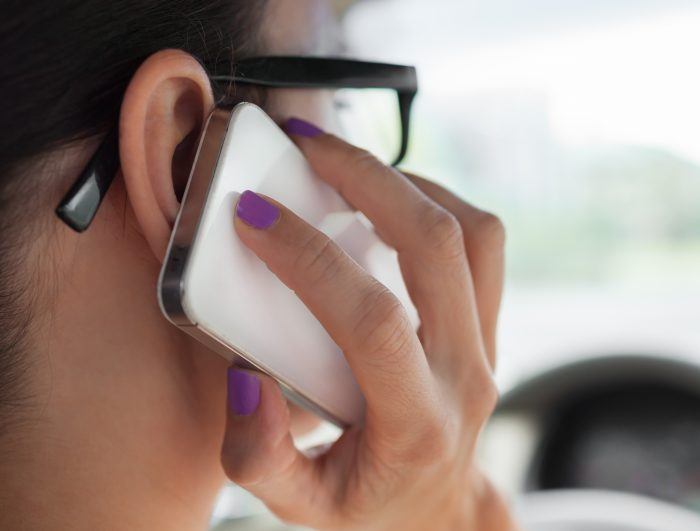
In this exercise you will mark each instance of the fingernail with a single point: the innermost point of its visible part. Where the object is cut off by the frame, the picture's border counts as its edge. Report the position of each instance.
(243, 392)
(299, 127)
(255, 211)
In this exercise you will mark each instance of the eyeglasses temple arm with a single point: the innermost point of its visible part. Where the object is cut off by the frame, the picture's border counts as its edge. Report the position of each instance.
(80, 204)
(405, 103)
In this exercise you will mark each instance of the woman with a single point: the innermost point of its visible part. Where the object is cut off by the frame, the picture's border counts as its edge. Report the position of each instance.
(113, 419)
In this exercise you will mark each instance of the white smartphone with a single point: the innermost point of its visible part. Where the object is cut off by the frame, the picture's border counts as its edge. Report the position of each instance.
(215, 289)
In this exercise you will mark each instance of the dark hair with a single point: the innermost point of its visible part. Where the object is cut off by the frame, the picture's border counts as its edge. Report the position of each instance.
(64, 67)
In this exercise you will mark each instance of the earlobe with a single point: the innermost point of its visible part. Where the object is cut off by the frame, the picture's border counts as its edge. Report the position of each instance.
(165, 104)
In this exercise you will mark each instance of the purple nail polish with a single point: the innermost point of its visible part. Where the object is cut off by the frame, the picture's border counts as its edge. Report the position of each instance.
(299, 127)
(255, 211)
(243, 392)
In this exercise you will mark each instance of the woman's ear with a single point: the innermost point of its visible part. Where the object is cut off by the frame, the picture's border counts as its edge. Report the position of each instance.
(163, 110)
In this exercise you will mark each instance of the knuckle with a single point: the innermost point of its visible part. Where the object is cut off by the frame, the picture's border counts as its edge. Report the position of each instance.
(242, 466)
(490, 231)
(383, 330)
(361, 162)
(491, 397)
(484, 398)
(249, 465)
(361, 159)
(442, 232)
(319, 259)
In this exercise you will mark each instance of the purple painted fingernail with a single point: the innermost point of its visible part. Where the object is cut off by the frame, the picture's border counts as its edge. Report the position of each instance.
(243, 392)
(299, 127)
(256, 212)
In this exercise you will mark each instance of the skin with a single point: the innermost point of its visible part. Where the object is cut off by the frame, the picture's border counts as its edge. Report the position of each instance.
(128, 415)
(411, 466)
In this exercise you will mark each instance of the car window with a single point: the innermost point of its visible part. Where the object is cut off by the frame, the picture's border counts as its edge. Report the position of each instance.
(579, 124)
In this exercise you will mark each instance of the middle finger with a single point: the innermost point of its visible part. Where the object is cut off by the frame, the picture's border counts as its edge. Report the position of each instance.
(427, 237)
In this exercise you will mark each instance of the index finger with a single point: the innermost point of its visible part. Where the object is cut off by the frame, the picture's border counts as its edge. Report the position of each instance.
(427, 237)
(361, 315)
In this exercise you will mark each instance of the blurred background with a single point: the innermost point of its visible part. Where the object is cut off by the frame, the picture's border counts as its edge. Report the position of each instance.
(578, 123)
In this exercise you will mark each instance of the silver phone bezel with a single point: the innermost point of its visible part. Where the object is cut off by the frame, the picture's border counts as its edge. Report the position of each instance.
(170, 282)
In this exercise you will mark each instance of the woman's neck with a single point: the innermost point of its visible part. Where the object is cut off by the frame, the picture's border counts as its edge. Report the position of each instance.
(57, 484)
(109, 461)
(126, 416)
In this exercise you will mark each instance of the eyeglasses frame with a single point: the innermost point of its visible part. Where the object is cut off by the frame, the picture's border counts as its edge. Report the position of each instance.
(80, 204)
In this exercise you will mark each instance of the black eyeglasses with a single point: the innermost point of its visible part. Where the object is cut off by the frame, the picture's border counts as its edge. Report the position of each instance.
(80, 204)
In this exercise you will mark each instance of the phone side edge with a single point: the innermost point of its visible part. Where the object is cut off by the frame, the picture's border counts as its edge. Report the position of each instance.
(171, 294)
(170, 282)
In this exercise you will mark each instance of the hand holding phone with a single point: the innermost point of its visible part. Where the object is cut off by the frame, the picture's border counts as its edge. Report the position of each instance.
(215, 289)
(428, 394)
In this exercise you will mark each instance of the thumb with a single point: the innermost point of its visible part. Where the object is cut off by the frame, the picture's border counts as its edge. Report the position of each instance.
(258, 451)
